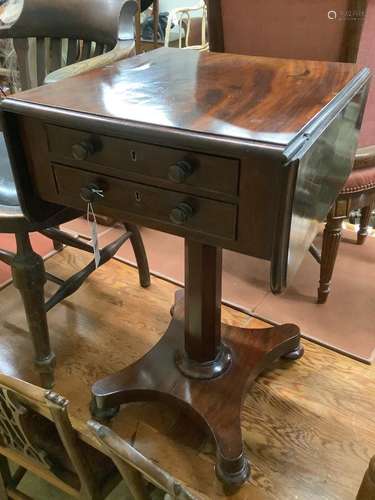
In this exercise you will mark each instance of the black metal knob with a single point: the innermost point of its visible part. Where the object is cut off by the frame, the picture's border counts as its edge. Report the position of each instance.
(91, 193)
(180, 171)
(181, 213)
(83, 150)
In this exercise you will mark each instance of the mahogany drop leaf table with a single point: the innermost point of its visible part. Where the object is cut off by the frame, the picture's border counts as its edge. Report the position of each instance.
(235, 152)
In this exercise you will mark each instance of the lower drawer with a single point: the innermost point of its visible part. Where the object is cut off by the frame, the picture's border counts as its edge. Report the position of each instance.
(188, 212)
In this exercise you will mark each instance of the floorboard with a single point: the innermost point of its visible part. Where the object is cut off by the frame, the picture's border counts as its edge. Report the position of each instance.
(309, 426)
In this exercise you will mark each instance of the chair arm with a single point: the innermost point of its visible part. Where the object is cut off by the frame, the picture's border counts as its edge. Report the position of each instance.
(123, 50)
(122, 452)
(29, 391)
(365, 157)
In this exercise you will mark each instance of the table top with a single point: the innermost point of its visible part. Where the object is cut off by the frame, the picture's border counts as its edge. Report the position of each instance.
(249, 98)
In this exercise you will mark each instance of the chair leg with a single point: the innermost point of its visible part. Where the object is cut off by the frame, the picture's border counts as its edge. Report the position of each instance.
(331, 241)
(140, 254)
(363, 224)
(367, 489)
(29, 278)
(5, 478)
(57, 245)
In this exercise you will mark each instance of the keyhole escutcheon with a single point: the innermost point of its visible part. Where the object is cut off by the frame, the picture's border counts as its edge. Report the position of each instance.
(138, 196)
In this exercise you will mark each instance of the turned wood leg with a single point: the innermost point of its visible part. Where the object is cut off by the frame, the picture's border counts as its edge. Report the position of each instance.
(140, 254)
(331, 241)
(29, 278)
(367, 489)
(363, 224)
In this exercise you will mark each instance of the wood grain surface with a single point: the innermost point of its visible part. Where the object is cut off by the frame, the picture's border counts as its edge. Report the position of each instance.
(308, 427)
(222, 94)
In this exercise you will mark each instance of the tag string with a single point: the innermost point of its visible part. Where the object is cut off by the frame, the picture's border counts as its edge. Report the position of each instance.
(94, 233)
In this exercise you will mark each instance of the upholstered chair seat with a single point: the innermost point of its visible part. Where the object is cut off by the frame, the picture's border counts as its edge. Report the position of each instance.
(361, 178)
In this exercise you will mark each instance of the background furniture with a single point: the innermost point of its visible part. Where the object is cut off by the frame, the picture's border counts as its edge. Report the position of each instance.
(192, 26)
(165, 435)
(167, 161)
(135, 468)
(144, 45)
(190, 30)
(317, 32)
(48, 447)
(106, 29)
(367, 489)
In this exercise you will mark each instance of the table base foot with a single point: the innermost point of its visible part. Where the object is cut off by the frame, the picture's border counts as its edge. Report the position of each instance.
(295, 354)
(215, 402)
(233, 473)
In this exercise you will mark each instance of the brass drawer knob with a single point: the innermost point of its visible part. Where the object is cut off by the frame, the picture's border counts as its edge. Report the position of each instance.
(91, 193)
(180, 171)
(181, 213)
(83, 150)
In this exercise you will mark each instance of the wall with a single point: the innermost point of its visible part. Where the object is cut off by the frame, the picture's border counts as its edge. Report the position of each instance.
(167, 5)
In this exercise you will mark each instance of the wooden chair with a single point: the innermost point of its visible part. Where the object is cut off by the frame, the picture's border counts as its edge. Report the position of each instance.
(367, 489)
(135, 468)
(139, 44)
(37, 435)
(308, 30)
(193, 28)
(105, 29)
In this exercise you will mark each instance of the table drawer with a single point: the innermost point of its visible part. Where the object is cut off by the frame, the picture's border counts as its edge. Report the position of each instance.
(189, 212)
(136, 160)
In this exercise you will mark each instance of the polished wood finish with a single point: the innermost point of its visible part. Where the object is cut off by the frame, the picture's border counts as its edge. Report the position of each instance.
(205, 113)
(331, 241)
(250, 351)
(366, 213)
(300, 421)
(207, 216)
(310, 35)
(275, 122)
(115, 32)
(78, 22)
(208, 99)
(144, 162)
(29, 440)
(364, 200)
(29, 278)
(86, 20)
(203, 265)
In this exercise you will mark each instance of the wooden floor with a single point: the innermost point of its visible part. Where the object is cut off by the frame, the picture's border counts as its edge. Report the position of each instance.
(309, 426)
